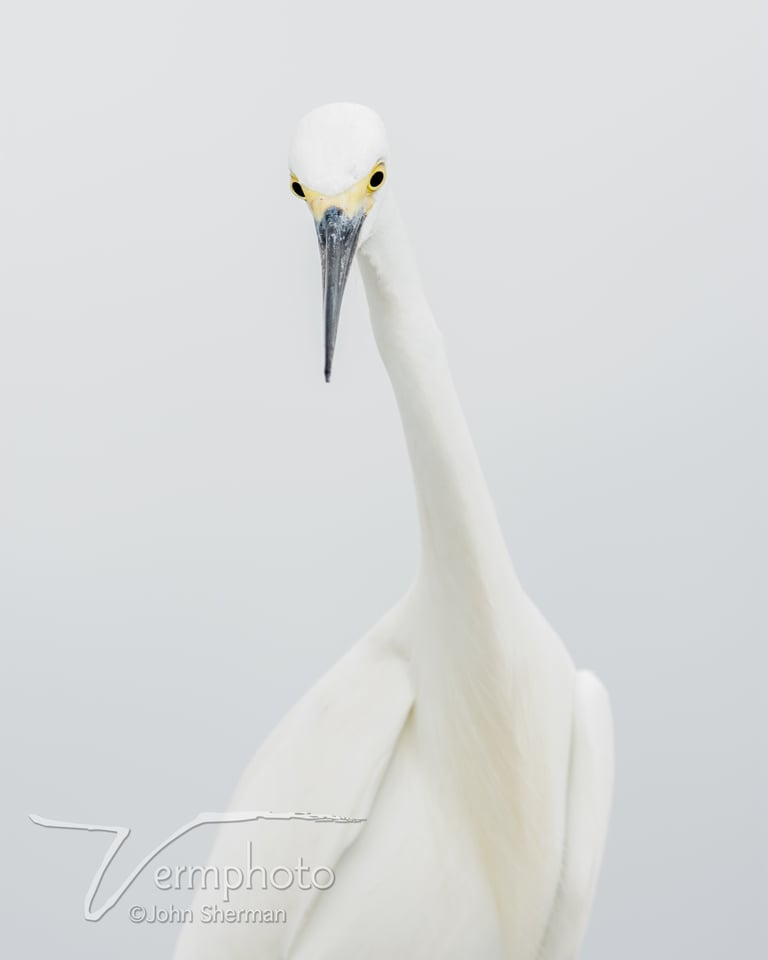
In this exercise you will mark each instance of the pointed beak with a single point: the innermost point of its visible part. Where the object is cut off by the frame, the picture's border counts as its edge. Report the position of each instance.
(337, 234)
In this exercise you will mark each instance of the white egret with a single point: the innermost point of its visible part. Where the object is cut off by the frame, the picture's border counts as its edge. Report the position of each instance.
(458, 727)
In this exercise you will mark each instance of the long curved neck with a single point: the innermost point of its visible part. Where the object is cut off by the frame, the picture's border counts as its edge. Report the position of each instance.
(489, 674)
(462, 546)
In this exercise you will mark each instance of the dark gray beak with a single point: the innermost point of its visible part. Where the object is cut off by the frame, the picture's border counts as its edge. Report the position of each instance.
(338, 235)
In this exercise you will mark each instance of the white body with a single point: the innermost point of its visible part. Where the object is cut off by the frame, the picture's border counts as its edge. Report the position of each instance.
(458, 726)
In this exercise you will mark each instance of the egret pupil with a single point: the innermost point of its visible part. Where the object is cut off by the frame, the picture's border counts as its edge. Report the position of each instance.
(377, 179)
(297, 189)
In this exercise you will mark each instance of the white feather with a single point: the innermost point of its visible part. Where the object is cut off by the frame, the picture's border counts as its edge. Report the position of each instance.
(458, 727)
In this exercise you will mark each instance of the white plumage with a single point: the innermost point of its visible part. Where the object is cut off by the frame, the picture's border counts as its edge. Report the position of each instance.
(458, 726)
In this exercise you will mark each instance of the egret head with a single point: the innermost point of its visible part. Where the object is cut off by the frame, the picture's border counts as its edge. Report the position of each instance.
(338, 166)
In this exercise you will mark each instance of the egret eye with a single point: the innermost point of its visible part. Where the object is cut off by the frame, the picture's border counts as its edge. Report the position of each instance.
(298, 189)
(376, 179)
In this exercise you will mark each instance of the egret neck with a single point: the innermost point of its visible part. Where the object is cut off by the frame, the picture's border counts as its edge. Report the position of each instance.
(463, 549)
(477, 639)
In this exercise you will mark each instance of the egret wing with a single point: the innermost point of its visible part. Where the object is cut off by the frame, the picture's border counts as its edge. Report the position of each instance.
(327, 756)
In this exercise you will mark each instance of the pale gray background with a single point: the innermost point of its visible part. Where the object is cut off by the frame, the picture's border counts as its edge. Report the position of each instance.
(194, 526)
